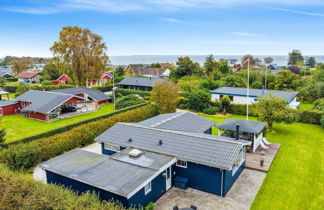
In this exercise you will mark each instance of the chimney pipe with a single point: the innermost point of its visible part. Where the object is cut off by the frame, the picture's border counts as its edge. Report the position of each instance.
(237, 134)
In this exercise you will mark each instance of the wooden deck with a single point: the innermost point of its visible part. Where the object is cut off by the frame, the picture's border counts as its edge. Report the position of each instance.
(253, 159)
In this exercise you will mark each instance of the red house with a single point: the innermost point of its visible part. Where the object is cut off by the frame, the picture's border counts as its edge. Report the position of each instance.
(63, 80)
(8, 107)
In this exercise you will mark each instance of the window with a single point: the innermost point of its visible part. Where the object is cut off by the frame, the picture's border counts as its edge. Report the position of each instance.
(112, 147)
(148, 188)
(238, 162)
(181, 163)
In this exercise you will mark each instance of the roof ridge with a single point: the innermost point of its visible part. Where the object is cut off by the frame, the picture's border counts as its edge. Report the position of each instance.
(53, 92)
(168, 119)
(182, 133)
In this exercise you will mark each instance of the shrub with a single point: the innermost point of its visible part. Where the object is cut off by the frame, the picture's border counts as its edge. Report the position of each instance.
(319, 104)
(225, 103)
(46, 82)
(198, 100)
(17, 191)
(103, 88)
(210, 110)
(126, 92)
(322, 121)
(183, 106)
(24, 156)
(10, 88)
(127, 101)
(310, 116)
(12, 79)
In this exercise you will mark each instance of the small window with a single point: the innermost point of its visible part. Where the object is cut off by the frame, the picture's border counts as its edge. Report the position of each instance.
(148, 188)
(112, 147)
(181, 163)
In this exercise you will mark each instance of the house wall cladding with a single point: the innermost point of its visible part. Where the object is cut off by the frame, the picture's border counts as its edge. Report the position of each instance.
(38, 116)
(10, 109)
(208, 131)
(201, 177)
(229, 179)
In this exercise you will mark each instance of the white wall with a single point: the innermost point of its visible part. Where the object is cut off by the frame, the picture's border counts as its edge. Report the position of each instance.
(236, 99)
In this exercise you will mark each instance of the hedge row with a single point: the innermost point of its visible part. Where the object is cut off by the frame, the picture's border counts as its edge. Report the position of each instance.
(17, 191)
(10, 88)
(103, 88)
(69, 127)
(24, 156)
(126, 92)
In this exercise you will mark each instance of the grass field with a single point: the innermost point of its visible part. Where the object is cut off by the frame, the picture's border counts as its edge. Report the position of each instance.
(306, 106)
(19, 127)
(295, 180)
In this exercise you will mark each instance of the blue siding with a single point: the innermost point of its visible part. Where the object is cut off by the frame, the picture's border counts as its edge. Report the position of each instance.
(158, 189)
(80, 187)
(229, 179)
(202, 177)
(107, 151)
(208, 131)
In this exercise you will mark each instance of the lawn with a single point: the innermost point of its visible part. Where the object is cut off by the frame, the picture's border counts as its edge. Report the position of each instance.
(19, 127)
(295, 180)
(306, 106)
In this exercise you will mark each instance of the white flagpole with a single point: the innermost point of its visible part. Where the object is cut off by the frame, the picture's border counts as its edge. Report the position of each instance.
(247, 91)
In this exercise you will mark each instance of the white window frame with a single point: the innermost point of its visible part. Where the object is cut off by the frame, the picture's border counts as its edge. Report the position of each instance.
(148, 188)
(239, 161)
(183, 165)
(112, 147)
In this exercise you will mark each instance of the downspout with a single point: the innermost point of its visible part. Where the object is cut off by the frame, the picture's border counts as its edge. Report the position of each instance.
(222, 182)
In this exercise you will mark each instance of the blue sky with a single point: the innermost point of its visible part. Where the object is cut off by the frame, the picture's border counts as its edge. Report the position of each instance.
(167, 27)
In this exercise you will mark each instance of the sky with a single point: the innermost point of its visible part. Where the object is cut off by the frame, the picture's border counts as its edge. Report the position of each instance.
(167, 27)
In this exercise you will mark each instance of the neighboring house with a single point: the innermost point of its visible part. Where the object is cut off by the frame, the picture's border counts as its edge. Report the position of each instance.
(155, 72)
(63, 80)
(273, 67)
(165, 65)
(141, 161)
(133, 69)
(239, 95)
(50, 105)
(107, 76)
(6, 75)
(138, 83)
(28, 77)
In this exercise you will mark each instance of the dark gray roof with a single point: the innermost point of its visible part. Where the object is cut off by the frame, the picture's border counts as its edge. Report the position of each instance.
(139, 81)
(108, 173)
(96, 95)
(180, 121)
(7, 103)
(245, 125)
(43, 101)
(286, 95)
(210, 150)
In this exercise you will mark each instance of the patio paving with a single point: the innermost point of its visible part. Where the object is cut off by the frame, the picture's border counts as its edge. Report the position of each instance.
(240, 196)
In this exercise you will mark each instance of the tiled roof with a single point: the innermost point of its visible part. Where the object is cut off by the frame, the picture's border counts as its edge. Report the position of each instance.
(245, 125)
(152, 71)
(27, 74)
(181, 121)
(286, 95)
(110, 173)
(96, 95)
(139, 81)
(210, 150)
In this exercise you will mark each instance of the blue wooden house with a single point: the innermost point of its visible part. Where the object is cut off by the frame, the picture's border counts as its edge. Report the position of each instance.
(141, 161)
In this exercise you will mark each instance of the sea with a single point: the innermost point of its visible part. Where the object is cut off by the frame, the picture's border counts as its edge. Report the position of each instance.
(280, 60)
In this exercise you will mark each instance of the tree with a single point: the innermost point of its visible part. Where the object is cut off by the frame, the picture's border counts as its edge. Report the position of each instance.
(50, 72)
(253, 61)
(119, 71)
(20, 64)
(165, 95)
(225, 102)
(156, 65)
(2, 136)
(209, 64)
(185, 67)
(268, 60)
(198, 100)
(22, 88)
(80, 54)
(271, 108)
(295, 56)
(310, 62)
(285, 79)
(294, 69)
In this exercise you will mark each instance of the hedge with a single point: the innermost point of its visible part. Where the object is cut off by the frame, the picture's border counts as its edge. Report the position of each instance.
(71, 126)
(50, 87)
(10, 88)
(126, 92)
(103, 88)
(24, 156)
(18, 191)
(310, 116)
(12, 79)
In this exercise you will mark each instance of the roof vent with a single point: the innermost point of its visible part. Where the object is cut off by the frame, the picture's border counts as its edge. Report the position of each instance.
(130, 140)
(160, 142)
(134, 153)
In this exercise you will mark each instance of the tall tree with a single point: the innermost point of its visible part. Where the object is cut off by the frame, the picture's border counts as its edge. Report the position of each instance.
(310, 62)
(50, 72)
(20, 64)
(268, 60)
(80, 54)
(295, 56)
(253, 61)
(185, 67)
(119, 71)
(165, 95)
(271, 108)
(209, 64)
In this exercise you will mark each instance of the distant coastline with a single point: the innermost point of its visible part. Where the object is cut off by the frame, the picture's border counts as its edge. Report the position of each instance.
(128, 59)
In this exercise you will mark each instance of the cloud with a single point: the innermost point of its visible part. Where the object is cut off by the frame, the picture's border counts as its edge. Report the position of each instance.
(245, 34)
(299, 12)
(172, 20)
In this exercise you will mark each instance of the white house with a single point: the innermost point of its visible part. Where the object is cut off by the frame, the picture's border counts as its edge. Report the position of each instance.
(239, 95)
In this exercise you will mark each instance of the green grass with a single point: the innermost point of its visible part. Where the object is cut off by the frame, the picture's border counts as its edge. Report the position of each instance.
(295, 179)
(19, 127)
(306, 106)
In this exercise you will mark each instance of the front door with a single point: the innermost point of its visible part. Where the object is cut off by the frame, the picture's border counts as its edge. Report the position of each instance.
(168, 178)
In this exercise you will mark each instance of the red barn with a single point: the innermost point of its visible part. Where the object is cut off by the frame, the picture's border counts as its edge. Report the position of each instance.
(63, 80)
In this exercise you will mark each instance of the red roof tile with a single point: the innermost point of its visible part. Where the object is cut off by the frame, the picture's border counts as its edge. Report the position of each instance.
(27, 74)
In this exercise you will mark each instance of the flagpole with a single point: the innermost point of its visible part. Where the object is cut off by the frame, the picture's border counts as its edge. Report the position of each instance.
(247, 90)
